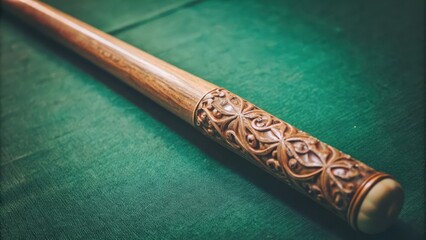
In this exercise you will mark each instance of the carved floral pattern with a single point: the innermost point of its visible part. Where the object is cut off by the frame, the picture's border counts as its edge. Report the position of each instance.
(327, 175)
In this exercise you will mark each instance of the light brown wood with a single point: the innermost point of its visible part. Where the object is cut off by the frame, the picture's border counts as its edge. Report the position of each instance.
(331, 178)
(174, 89)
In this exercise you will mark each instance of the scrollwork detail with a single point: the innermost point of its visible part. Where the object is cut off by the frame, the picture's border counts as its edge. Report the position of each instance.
(312, 167)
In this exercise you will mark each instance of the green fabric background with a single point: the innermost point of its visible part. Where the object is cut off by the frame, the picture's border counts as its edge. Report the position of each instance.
(84, 156)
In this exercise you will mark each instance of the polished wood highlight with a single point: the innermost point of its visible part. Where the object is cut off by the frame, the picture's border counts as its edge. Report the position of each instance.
(174, 89)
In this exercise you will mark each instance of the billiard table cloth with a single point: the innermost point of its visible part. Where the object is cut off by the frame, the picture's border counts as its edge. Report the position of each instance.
(84, 156)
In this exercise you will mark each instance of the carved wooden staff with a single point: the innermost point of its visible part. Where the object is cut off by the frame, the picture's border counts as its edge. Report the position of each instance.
(368, 200)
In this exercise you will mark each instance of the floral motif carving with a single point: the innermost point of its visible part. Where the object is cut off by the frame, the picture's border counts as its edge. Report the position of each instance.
(312, 167)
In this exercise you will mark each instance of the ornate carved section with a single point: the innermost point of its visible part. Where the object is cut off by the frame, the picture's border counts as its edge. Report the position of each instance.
(312, 167)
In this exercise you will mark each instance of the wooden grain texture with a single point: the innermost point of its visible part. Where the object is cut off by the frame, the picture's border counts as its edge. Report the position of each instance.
(176, 90)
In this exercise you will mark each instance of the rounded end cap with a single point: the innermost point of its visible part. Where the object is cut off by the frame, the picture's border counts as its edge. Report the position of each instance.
(380, 207)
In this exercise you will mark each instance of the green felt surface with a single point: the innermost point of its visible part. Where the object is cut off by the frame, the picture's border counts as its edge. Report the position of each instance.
(84, 156)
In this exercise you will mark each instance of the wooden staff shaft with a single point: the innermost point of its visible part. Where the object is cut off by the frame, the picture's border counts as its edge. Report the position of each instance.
(367, 199)
(176, 90)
